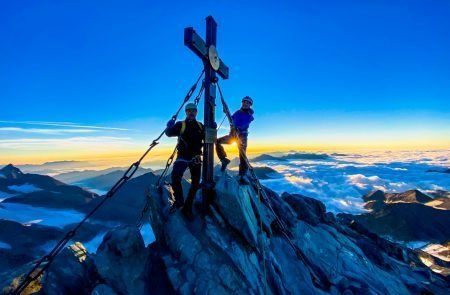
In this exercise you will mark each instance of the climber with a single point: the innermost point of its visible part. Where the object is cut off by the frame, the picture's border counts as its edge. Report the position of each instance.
(191, 135)
(241, 121)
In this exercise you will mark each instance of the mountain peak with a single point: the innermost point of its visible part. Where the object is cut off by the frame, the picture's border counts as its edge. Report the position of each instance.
(377, 195)
(11, 172)
(411, 196)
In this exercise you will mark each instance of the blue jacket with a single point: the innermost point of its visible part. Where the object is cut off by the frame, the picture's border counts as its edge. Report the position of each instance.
(242, 119)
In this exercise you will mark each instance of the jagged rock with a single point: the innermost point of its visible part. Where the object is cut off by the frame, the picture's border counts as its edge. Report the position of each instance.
(209, 253)
(121, 260)
(72, 272)
(308, 209)
(235, 206)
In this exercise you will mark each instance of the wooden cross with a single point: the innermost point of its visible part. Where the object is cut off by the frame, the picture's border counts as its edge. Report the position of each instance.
(212, 64)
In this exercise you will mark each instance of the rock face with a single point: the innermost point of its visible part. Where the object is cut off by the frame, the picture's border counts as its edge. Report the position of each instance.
(239, 247)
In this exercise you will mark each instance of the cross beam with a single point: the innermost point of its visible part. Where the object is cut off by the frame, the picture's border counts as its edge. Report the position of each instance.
(195, 43)
(206, 51)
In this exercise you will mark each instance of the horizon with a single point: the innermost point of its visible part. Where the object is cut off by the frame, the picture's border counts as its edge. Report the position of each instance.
(97, 83)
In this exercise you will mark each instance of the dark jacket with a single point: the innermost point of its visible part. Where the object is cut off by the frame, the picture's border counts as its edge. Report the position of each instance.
(242, 119)
(191, 141)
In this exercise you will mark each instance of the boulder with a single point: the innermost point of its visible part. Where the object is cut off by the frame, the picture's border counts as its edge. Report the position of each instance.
(121, 260)
(72, 272)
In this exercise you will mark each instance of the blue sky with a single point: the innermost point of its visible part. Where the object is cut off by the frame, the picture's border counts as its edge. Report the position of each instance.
(320, 72)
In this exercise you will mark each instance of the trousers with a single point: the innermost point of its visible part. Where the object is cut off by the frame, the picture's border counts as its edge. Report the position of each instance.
(179, 167)
(227, 139)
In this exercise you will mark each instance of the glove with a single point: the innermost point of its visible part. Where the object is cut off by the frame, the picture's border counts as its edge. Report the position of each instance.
(170, 123)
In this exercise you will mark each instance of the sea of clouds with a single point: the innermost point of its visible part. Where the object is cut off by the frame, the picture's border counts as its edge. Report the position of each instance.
(341, 180)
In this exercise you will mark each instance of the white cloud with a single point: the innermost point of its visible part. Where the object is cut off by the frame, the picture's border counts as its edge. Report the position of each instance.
(298, 180)
(64, 124)
(23, 143)
(363, 182)
(48, 131)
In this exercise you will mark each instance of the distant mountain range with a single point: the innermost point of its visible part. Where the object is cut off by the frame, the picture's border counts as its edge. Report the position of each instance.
(100, 180)
(53, 167)
(40, 190)
(408, 216)
(292, 156)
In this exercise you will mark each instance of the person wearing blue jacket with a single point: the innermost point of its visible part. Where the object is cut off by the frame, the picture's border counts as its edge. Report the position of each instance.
(241, 121)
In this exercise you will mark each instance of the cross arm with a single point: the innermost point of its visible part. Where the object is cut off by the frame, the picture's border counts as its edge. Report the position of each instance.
(194, 42)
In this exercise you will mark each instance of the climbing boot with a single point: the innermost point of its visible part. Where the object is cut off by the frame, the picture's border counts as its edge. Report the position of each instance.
(187, 212)
(225, 163)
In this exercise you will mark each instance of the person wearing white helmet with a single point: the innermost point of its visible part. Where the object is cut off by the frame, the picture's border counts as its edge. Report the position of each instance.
(191, 135)
(241, 122)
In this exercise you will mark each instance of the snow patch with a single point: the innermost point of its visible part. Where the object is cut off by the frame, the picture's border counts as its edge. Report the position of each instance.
(4, 245)
(416, 244)
(27, 214)
(25, 188)
(31, 222)
(5, 195)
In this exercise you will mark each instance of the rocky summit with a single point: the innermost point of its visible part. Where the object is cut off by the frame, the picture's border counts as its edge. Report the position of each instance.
(239, 246)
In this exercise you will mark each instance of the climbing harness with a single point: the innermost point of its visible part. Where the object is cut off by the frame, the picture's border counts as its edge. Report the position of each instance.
(261, 192)
(44, 263)
(183, 126)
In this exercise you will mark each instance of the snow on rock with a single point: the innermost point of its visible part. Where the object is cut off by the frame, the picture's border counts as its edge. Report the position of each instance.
(24, 188)
(4, 245)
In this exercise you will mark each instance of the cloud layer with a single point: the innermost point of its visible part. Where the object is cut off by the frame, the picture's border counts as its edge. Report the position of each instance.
(342, 180)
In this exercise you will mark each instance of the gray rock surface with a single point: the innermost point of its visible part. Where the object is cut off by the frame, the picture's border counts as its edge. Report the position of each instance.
(72, 272)
(121, 260)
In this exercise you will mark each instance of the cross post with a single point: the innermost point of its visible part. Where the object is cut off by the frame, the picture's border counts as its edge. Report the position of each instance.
(212, 65)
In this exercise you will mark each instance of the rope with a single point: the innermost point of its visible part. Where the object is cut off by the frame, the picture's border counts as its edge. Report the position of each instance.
(262, 192)
(263, 246)
(223, 119)
(48, 259)
(140, 222)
